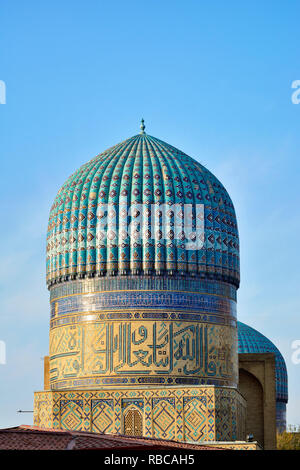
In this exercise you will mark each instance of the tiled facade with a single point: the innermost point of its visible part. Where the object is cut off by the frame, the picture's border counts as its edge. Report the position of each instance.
(143, 333)
(189, 414)
(129, 336)
(174, 338)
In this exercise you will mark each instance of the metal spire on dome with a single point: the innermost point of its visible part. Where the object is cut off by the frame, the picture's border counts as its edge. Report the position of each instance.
(142, 127)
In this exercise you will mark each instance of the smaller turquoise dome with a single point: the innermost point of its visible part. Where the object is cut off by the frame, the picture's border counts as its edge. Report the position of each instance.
(251, 341)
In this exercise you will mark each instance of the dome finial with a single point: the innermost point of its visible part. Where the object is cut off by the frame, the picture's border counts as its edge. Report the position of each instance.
(142, 127)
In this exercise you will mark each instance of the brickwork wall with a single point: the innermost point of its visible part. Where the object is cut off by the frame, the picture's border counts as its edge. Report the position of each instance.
(257, 385)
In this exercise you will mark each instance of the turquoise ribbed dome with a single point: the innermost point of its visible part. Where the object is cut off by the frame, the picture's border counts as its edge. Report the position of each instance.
(252, 341)
(142, 169)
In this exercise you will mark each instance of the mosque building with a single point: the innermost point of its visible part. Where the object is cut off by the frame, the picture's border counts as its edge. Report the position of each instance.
(143, 272)
(250, 341)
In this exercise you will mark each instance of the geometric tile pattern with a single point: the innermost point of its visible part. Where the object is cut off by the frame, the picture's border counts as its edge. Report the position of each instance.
(161, 300)
(43, 412)
(164, 420)
(223, 424)
(132, 402)
(230, 415)
(102, 416)
(148, 283)
(195, 418)
(71, 414)
(203, 413)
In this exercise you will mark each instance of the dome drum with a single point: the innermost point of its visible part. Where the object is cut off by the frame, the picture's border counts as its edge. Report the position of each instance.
(129, 331)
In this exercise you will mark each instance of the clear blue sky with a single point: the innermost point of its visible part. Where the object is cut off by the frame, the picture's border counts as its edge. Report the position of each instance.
(211, 78)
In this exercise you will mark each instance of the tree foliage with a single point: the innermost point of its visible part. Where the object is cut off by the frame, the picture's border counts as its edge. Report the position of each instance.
(288, 441)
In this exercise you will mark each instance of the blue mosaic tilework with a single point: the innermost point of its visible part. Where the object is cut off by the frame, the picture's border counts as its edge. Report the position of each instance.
(94, 383)
(147, 316)
(145, 300)
(102, 415)
(126, 402)
(164, 418)
(143, 283)
(280, 416)
(180, 413)
(140, 170)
